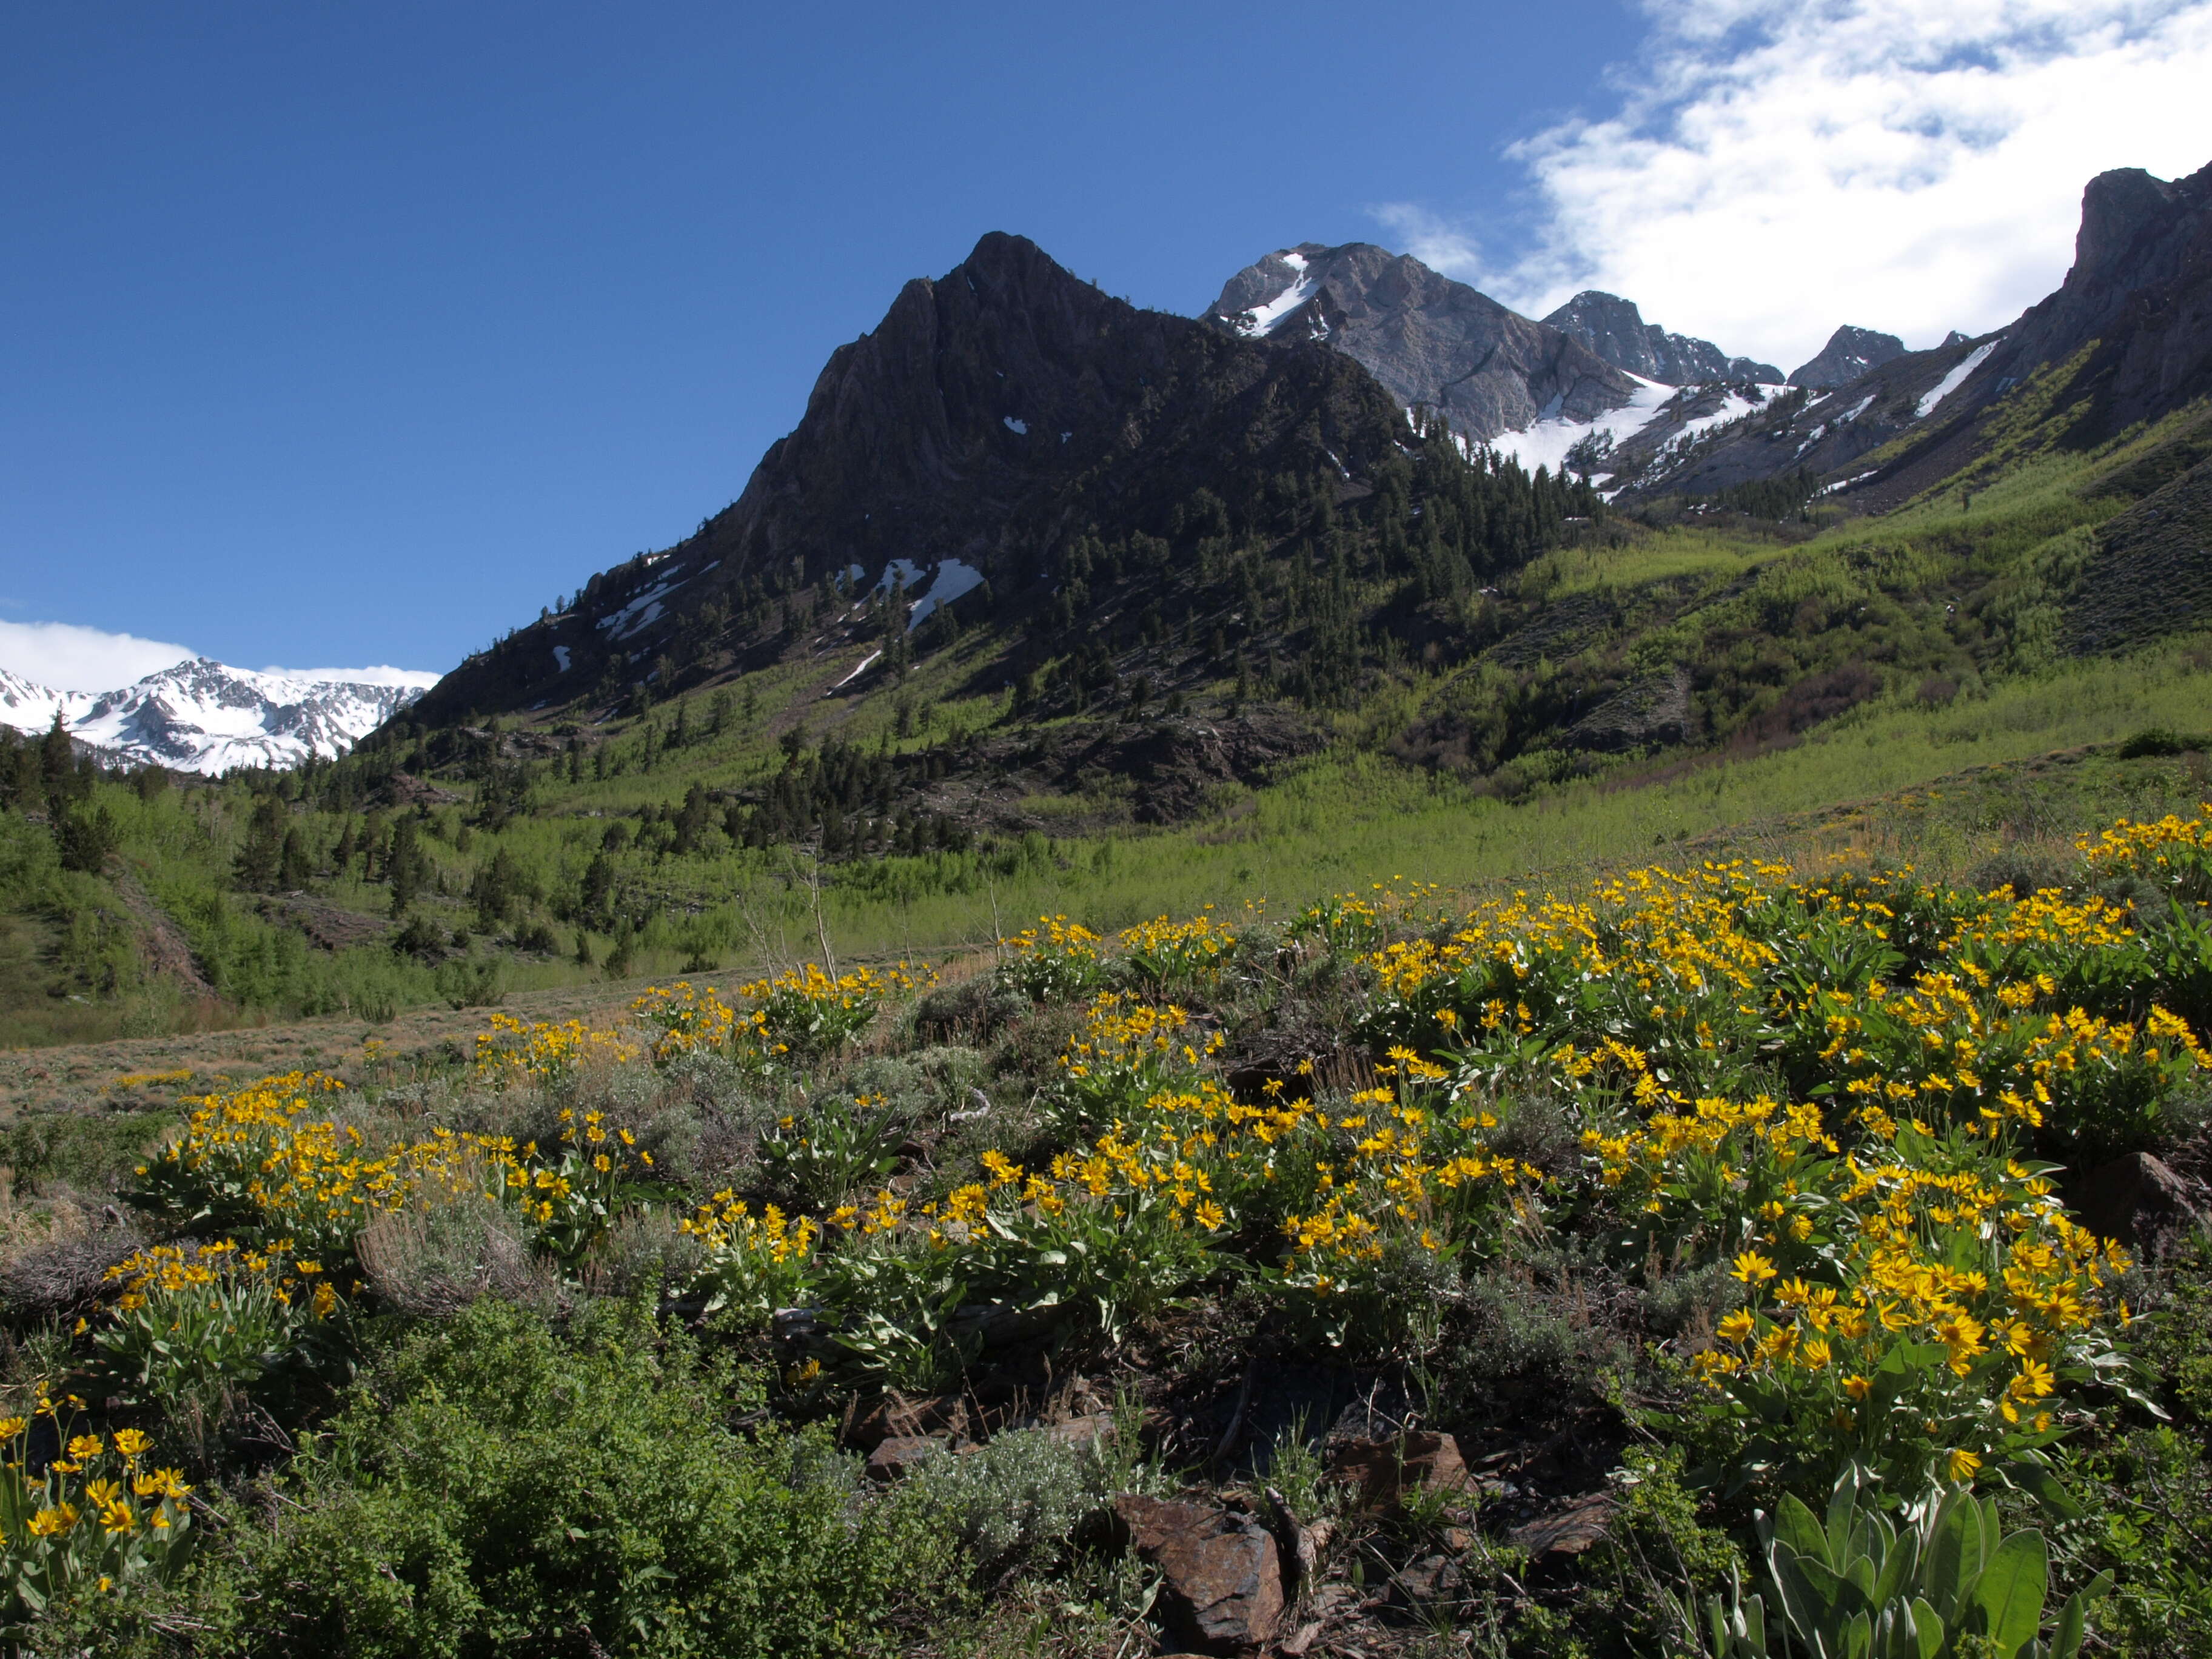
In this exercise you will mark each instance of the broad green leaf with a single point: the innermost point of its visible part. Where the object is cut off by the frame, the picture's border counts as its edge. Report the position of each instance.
(1927, 1628)
(1842, 1511)
(2073, 1618)
(1942, 1570)
(2010, 1591)
(1794, 1526)
(1900, 1562)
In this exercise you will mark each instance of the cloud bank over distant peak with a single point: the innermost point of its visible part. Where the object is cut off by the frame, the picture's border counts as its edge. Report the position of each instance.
(1775, 167)
(68, 658)
(65, 657)
(383, 674)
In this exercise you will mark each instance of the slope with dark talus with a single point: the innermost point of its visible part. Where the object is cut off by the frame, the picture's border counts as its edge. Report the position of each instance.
(1615, 330)
(993, 416)
(2152, 572)
(1434, 343)
(1801, 432)
(2126, 338)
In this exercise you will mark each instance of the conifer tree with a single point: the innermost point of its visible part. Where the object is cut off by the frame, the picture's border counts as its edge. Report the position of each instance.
(407, 867)
(292, 873)
(261, 855)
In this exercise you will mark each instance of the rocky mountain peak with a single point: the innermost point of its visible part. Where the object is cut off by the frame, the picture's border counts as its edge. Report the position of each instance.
(1615, 330)
(993, 415)
(1431, 341)
(2116, 207)
(1849, 353)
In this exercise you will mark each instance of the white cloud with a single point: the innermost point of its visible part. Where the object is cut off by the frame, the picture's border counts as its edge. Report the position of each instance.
(64, 656)
(1434, 241)
(1776, 167)
(380, 675)
(67, 658)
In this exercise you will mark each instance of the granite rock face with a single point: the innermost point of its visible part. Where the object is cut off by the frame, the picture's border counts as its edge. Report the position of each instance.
(1615, 330)
(1431, 341)
(1849, 353)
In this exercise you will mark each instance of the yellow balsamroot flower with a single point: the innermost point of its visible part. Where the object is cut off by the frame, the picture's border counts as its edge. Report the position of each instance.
(1961, 1464)
(1753, 1268)
(84, 1446)
(12, 1426)
(53, 1523)
(1737, 1327)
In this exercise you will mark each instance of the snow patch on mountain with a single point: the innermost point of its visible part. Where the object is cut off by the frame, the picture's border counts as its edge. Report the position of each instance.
(1546, 442)
(1957, 378)
(953, 577)
(202, 716)
(1267, 318)
(641, 612)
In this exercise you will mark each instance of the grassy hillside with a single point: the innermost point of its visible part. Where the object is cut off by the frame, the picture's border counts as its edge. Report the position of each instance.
(1645, 680)
(1473, 1271)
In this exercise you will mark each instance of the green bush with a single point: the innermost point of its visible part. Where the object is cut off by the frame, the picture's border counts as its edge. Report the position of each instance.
(494, 1490)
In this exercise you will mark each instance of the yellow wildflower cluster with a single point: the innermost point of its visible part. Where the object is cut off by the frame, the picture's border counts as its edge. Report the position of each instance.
(1950, 1303)
(1325, 1182)
(1665, 939)
(261, 1157)
(163, 1270)
(1055, 961)
(517, 1052)
(754, 1263)
(1055, 936)
(1360, 921)
(695, 1016)
(802, 1011)
(1120, 1030)
(2170, 846)
(1163, 953)
(97, 1516)
(151, 1080)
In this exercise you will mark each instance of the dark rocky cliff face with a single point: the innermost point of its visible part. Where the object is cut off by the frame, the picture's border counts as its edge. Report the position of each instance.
(2140, 291)
(1615, 330)
(993, 414)
(1849, 353)
(1431, 341)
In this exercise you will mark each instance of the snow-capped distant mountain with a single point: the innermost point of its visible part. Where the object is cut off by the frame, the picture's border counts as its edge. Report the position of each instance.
(201, 716)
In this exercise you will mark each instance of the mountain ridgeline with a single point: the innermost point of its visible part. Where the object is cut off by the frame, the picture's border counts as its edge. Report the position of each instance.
(1126, 495)
(1152, 553)
(1037, 570)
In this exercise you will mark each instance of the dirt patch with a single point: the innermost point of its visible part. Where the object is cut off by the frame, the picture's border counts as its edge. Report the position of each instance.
(324, 923)
(161, 944)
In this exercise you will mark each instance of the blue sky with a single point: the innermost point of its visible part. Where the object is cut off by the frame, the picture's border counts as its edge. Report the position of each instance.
(353, 335)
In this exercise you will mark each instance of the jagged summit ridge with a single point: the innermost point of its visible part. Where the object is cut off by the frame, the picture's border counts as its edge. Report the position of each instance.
(1431, 341)
(1615, 330)
(994, 415)
(1849, 353)
(205, 716)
